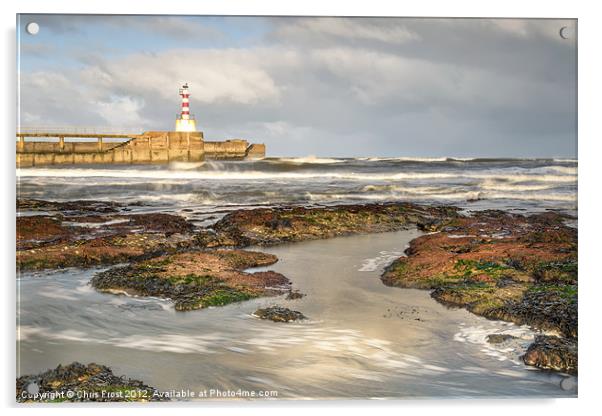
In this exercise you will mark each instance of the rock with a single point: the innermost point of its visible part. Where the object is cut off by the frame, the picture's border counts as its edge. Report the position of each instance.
(552, 353)
(40, 230)
(499, 338)
(279, 314)
(196, 279)
(294, 294)
(77, 382)
(97, 251)
(91, 233)
(269, 226)
(68, 206)
(547, 307)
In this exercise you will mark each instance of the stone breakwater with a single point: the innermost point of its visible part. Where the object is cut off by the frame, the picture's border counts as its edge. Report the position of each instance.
(149, 147)
(516, 268)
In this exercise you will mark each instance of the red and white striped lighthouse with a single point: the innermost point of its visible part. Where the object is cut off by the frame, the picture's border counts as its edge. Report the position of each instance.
(185, 122)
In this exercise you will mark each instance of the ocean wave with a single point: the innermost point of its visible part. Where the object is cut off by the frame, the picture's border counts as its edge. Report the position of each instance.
(466, 195)
(264, 175)
(402, 159)
(305, 160)
(531, 197)
(514, 187)
(329, 197)
(186, 197)
(185, 165)
(421, 190)
(567, 170)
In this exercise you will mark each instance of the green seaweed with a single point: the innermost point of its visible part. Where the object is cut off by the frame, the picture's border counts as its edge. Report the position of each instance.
(221, 297)
(565, 292)
(565, 271)
(193, 280)
(470, 268)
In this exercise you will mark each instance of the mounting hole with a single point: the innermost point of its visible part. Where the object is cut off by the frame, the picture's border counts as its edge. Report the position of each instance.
(568, 383)
(566, 32)
(32, 28)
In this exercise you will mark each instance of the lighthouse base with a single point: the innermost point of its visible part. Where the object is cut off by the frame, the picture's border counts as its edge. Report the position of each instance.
(188, 126)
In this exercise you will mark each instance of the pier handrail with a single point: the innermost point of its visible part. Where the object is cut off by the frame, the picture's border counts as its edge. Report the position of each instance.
(72, 130)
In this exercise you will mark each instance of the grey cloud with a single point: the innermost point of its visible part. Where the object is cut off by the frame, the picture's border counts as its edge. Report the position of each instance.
(456, 87)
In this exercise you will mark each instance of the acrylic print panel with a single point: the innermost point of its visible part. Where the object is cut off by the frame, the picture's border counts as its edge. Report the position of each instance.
(295, 208)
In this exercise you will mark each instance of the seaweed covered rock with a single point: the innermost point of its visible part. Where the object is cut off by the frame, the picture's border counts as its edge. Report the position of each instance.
(70, 207)
(279, 314)
(269, 226)
(92, 233)
(77, 382)
(543, 306)
(38, 230)
(196, 279)
(552, 353)
(294, 294)
(499, 338)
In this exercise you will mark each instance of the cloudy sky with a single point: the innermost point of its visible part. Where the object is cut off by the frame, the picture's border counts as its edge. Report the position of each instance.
(312, 86)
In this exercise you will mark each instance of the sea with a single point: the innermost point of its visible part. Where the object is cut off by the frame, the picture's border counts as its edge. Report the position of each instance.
(518, 185)
(362, 339)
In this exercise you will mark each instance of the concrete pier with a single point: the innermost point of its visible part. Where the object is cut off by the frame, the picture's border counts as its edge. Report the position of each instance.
(145, 148)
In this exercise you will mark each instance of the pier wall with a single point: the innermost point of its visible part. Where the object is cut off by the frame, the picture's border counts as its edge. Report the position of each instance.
(149, 147)
(234, 148)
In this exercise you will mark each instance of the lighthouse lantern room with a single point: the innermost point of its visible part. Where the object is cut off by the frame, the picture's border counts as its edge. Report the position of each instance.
(185, 122)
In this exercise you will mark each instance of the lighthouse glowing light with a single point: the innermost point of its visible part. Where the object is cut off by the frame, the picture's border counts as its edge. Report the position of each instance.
(185, 122)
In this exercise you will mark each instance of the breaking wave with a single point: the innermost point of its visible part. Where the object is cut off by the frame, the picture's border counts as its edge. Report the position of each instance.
(260, 175)
(306, 159)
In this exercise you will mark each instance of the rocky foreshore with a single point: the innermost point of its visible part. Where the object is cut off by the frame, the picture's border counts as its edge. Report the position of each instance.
(516, 268)
(93, 233)
(511, 267)
(77, 382)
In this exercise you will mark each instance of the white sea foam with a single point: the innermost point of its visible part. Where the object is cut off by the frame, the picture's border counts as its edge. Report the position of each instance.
(376, 263)
(308, 159)
(421, 190)
(458, 196)
(94, 224)
(531, 197)
(403, 159)
(499, 174)
(185, 197)
(509, 350)
(185, 165)
(514, 187)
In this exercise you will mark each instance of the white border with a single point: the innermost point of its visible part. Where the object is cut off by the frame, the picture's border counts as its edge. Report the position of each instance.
(589, 184)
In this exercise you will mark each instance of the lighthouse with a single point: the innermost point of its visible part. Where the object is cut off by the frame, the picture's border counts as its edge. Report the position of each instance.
(185, 122)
